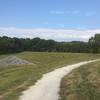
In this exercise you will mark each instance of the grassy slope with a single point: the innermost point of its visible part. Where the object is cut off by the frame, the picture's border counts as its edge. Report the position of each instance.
(15, 79)
(82, 84)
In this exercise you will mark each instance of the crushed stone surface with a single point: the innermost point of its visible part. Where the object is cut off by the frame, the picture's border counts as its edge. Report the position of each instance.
(13, 60)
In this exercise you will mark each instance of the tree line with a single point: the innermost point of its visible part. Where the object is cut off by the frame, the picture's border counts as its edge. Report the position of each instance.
(13, 45)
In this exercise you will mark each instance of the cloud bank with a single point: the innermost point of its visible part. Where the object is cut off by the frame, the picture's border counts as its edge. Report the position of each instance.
(73, 12)
(55, 34)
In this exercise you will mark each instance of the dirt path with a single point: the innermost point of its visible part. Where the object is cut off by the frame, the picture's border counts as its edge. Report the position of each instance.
(48, 87)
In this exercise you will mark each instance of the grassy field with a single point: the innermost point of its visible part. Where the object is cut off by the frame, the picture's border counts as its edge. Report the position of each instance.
(15, 79)
(82, 83)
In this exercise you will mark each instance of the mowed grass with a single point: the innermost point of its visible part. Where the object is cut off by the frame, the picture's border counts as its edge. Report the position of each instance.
(15, 79)
(82, 83)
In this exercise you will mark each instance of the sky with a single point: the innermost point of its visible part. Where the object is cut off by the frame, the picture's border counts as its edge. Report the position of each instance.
(61, 20)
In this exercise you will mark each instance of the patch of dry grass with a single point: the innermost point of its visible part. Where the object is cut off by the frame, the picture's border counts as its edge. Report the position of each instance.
(82, 83)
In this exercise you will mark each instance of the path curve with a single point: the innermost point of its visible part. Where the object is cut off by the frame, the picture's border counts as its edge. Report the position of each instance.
(48, 87)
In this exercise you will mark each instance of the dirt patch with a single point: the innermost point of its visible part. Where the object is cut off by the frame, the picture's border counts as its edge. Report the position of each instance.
(13, 60)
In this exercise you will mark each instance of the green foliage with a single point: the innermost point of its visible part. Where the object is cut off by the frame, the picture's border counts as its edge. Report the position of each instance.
(11, 45)
(94, 44)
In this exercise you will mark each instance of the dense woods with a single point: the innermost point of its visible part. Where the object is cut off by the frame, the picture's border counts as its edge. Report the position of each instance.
(13, 45)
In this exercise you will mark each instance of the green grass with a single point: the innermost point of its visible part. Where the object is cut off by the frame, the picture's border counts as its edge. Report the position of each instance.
(15, 79)
(82, 83)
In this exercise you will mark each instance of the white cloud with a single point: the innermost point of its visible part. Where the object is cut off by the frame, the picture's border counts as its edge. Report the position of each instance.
(61, 25)
(90, 13)
(64, 12)
(57, 12)
(56, 34)
(75, 12)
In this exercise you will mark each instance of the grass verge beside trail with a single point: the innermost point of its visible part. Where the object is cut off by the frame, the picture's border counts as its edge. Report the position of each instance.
(82, 83)
(15, 79)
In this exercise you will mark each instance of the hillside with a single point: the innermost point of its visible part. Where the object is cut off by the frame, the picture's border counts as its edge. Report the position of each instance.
(16, 78)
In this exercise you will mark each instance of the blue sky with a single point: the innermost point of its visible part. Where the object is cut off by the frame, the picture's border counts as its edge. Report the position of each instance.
(50, 14)
(70, 14)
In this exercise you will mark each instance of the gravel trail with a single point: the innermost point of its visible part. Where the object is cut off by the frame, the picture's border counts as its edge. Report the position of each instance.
(13, 60)
(48, 87)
